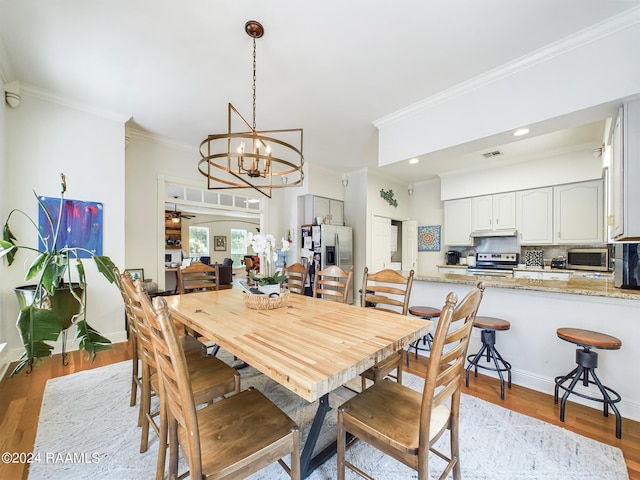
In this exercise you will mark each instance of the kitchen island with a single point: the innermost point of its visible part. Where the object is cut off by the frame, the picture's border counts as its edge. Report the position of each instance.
(536, 309)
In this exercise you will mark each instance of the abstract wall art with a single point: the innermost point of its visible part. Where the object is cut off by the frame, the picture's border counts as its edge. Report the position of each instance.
(80, 225)
(429, 238)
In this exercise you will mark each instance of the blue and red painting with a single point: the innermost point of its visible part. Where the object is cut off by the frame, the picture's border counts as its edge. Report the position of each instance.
(80, 225)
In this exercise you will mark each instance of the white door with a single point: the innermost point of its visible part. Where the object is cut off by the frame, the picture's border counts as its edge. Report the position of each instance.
(409, 245)
(380, 244)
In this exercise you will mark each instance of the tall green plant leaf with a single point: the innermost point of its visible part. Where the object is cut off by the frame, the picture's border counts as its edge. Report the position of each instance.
(90, 339)
(8, 244)
(37, 326)
(106, 267)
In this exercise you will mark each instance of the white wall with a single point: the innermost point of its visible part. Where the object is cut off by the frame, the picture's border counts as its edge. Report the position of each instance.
(570, 167)
(146, 159)
(532, 347)
(426, 209)
(3, 213)
(44, 139)
(589, 69)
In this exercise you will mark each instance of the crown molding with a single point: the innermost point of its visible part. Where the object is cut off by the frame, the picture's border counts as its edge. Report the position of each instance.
(139, 134)
(624, 20)
(72, 103)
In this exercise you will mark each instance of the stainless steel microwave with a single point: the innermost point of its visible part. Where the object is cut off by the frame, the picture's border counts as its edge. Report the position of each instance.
(596, 259)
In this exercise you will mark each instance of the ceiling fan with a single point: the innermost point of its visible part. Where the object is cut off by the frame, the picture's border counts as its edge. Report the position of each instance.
(176, 215)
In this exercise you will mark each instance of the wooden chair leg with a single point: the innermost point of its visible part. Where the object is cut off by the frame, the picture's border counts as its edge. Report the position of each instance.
(295, 456)
(173, 448)
(145, 410)
(455, 448)
(162, 440)
(341, 440)
(134, 373)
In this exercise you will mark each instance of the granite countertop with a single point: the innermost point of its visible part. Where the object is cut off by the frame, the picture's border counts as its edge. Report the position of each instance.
(576, 285)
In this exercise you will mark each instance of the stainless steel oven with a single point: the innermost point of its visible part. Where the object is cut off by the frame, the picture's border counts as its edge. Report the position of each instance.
(494, 264)
(596, 259)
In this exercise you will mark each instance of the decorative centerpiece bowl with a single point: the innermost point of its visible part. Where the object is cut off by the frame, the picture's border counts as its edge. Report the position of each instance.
(266, 302)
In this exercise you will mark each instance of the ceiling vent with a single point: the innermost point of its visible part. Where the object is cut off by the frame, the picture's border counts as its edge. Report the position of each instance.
(495, 153)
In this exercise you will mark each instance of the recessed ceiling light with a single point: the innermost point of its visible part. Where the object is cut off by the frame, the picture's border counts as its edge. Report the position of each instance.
(521, 131)
(413, 161)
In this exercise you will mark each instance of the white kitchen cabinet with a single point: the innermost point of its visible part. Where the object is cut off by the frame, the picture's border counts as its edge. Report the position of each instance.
(534, 216)
(578, 213)
(528, 275)
(561, 276)
(624, 175)
(336, 212)
(457, 222)
(332, 211)
(452, 270)
(550, 275)
(494, 212)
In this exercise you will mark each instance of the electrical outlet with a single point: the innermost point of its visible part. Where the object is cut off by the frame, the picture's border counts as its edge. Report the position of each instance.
(475, 333)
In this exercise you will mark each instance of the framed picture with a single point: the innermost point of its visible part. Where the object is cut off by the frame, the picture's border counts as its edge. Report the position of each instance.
(80, 224)
(135, 273)
(220, 243)
(429, 238)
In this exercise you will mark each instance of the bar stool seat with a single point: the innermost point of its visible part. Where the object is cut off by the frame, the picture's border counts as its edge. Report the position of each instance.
(427, 313)
(587, 363)
(489, 325)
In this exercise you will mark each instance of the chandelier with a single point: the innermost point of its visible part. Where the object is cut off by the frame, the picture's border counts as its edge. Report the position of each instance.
(251, 158)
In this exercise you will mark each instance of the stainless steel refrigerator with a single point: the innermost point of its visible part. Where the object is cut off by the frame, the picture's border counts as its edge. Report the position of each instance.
(328, 245)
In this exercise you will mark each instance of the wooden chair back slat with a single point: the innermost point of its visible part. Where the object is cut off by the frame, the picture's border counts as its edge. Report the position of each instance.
(198, 276)
(333, 283)
(387, 282)
(296, 277)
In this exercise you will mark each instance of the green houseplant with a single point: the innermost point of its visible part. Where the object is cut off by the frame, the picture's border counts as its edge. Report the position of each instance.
(54, 303)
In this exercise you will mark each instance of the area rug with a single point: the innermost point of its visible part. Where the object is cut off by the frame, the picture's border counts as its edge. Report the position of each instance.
(87, 430)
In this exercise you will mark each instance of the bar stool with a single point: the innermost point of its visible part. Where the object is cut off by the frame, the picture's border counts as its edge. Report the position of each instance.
(489, 325)
(587, 362)
(427, 313)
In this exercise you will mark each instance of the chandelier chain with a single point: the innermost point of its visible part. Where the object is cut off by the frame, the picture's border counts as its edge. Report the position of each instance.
(254, 83)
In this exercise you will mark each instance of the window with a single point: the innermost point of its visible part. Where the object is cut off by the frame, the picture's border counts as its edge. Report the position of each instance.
(198, 241)
(238, 245)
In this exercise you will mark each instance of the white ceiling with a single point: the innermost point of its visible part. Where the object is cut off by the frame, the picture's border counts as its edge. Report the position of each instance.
(330, 67)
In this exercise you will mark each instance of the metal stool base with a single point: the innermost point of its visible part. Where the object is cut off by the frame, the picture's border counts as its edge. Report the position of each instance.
(489, 351)
(587, 362)
(427, 340)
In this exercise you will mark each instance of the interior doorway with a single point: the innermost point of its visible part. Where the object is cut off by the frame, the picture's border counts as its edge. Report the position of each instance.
(218, 211)
(394, 243)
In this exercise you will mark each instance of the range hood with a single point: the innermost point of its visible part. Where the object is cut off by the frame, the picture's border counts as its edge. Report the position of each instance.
(495, 233)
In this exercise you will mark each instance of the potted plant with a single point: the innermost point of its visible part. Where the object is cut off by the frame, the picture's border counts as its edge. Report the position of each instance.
(265, 246)
(54, 303)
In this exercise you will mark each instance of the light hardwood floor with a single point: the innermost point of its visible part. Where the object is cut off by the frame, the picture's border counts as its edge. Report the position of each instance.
(21, 397)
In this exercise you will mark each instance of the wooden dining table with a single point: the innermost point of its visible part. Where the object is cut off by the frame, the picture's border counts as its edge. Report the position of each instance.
(310, 346)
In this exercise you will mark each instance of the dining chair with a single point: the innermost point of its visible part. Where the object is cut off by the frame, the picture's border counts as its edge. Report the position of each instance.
(191, 344)
(296, 277)
(333, 283)
(198, 276)
(231, 438)
(211, 378)
(389, 291)
(250, 265)
(404, 423)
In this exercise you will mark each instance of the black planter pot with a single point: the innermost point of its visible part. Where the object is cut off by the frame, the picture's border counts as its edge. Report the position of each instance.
(63, 304)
